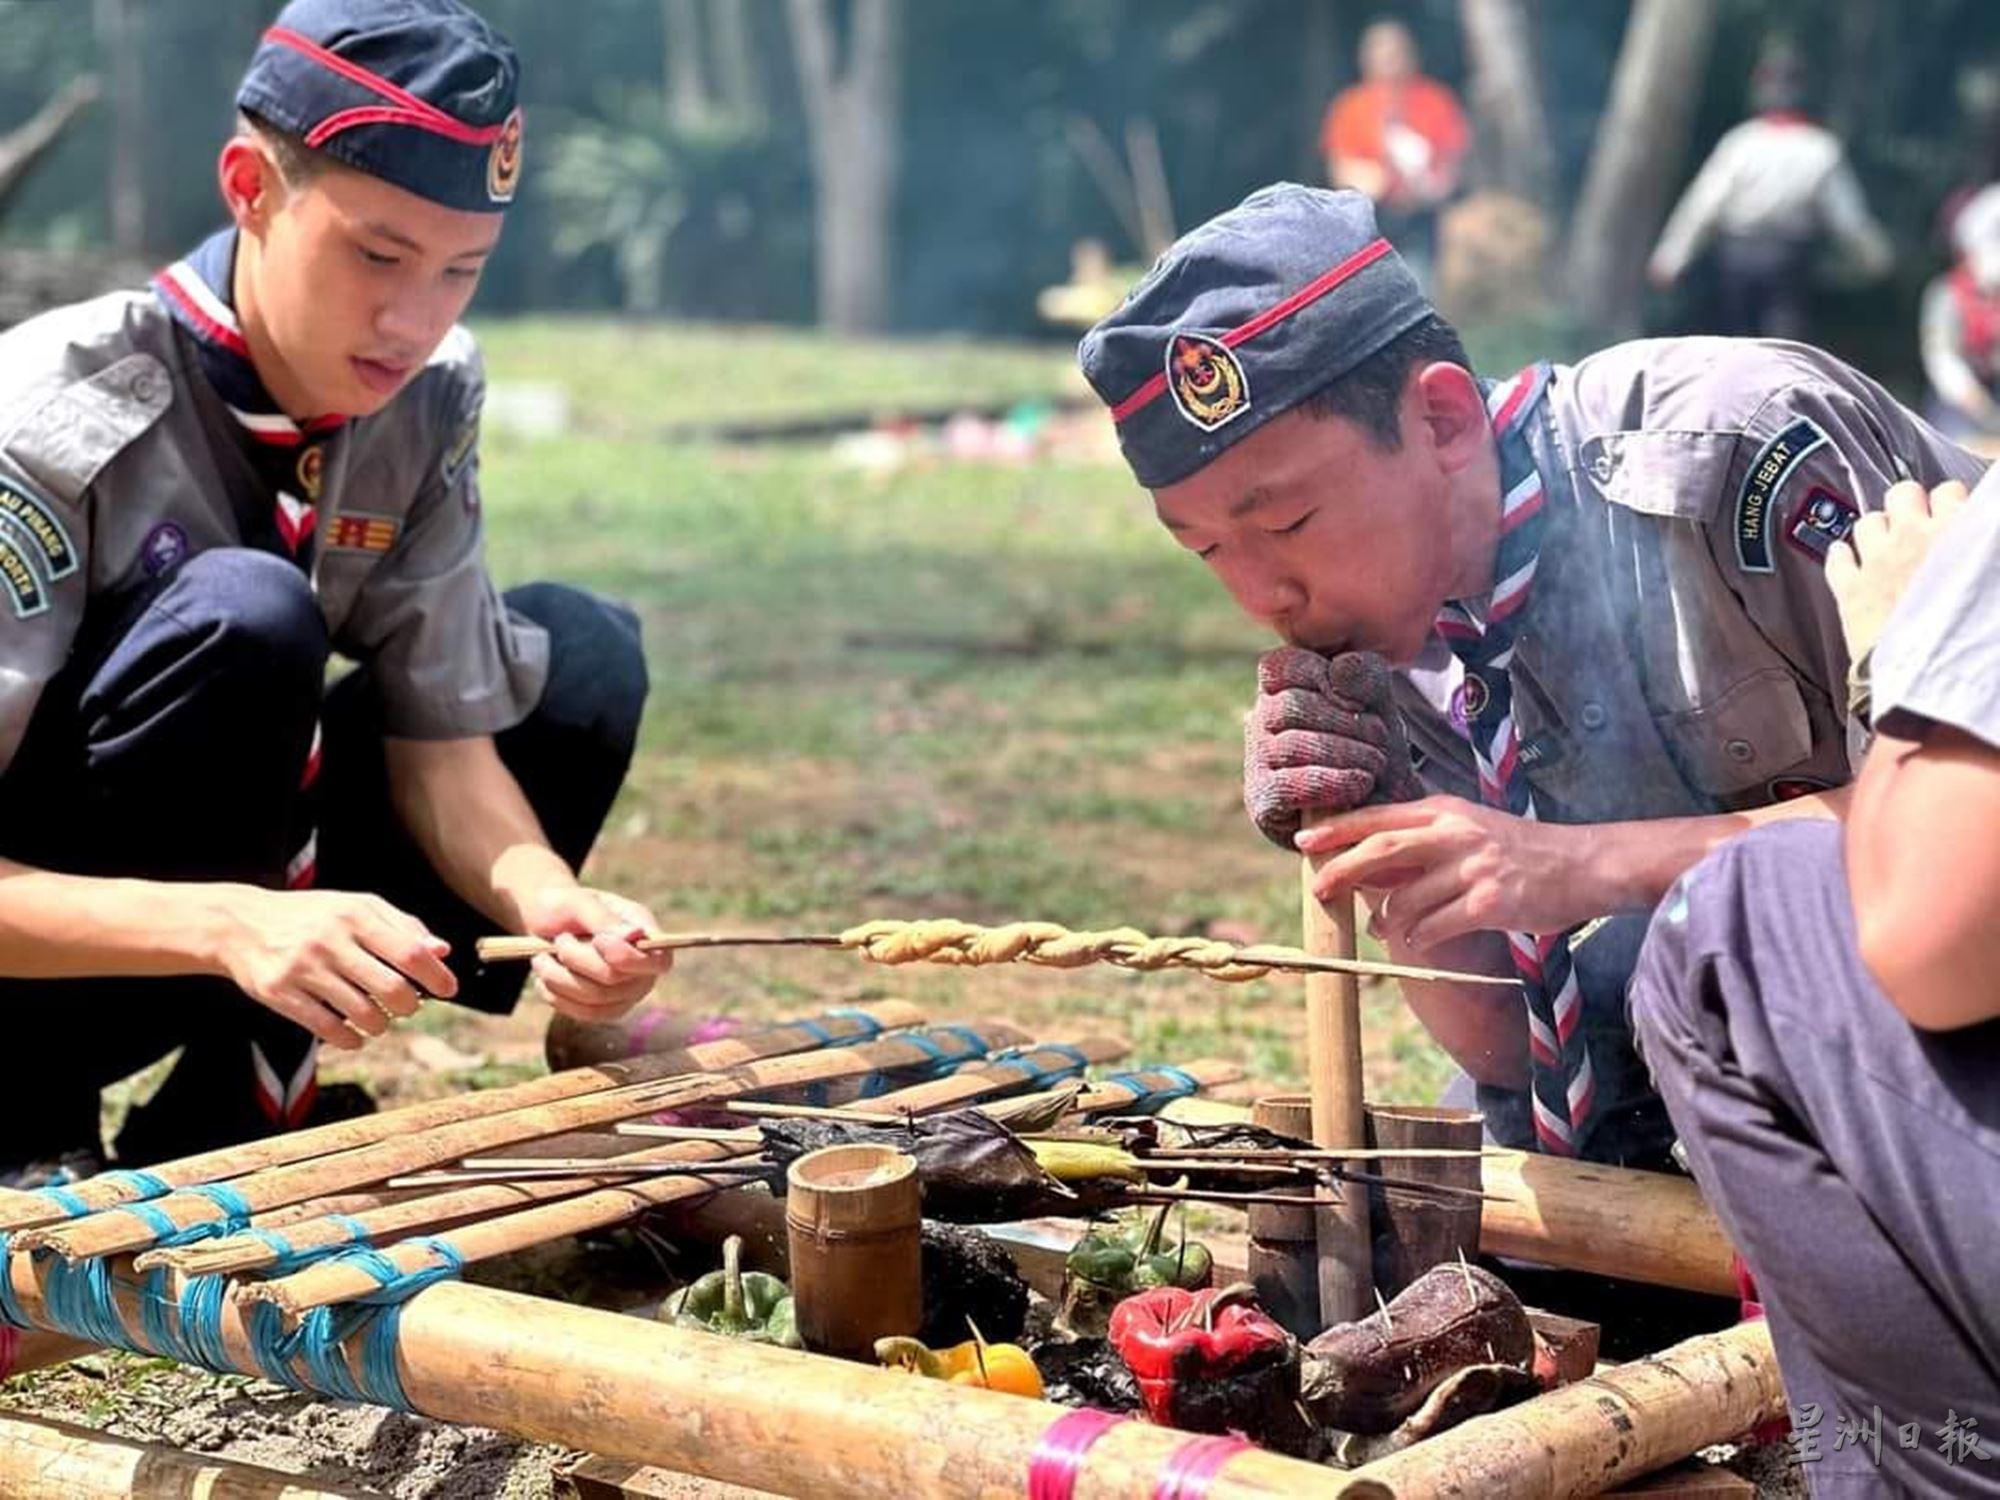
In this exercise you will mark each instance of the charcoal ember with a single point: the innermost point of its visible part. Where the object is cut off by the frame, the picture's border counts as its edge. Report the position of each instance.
(967, 1275)
(1086, 1372)
(1370, 1376)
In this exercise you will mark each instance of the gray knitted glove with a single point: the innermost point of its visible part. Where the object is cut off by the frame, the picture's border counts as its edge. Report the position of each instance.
(1321, 737)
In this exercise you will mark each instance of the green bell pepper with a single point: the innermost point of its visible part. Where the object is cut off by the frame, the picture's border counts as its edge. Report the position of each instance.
(740, 1304)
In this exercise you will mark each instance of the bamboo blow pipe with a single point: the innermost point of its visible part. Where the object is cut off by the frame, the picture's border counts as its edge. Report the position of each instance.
(29, 1210)
(1650, 1227)
(111, 1233)
(1333, 1066)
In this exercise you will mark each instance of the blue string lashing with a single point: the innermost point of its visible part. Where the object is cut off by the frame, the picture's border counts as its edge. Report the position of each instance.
(74, 1205)
(193, 1335)
(169, 1235)
(1020, 1060)
(942, 1058)
(317, 1341)
(78, 1297)
(290, 1259)
(870, 1027)
(1147, 1096)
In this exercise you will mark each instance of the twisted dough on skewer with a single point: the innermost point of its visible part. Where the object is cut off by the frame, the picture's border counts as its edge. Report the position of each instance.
(947, 941)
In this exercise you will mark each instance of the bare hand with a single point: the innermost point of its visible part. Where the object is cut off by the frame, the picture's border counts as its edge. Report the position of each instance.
(338, 963)
(596, 972)
(1869, 573)
(1448, 867)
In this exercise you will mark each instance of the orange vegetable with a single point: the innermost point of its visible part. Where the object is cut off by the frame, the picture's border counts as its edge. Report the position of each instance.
(997, 1367)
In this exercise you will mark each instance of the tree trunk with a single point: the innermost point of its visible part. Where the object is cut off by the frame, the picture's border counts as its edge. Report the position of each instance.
(688, 101)
(1511, 141)
(119, 30)
(853, 107)
(1636, 165)
(739, 85)
(27, 144)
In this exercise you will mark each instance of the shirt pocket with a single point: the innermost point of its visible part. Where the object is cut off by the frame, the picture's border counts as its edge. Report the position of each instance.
(1754, 730)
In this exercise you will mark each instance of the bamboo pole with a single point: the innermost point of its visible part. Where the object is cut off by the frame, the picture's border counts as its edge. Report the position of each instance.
(1642, 1226)
(1651, 1227)
(1333, 1068)
(114, 1232)
(101, 1193)
(43, 1459)
(743, 1413)
(1595, 1435)
(35, 1349)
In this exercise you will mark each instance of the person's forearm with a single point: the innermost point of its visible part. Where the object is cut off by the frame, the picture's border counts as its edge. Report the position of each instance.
(1923, 871)
(1631, 866)
(1482, 1026)
(470, 818)
(55, 926)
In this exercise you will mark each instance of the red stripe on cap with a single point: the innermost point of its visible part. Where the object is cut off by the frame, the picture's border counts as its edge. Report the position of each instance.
(1304, 297)
(420, 114)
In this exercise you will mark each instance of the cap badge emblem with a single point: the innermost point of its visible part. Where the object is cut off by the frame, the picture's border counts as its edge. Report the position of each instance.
(1207, 380)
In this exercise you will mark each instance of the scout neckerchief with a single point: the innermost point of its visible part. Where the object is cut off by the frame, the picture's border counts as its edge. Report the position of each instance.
(289, 457)
(1559, 1059)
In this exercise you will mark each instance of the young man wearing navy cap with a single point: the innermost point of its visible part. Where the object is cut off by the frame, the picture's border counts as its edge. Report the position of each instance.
(1599, 588)
(206, 489)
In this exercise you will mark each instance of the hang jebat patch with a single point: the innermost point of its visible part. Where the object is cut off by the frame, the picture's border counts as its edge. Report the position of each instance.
(22, 583)
(1207, 380)
(503, 165)
(356, 532)
(1774, 464)
(36, 523)
(1820, 522)
(459, 454)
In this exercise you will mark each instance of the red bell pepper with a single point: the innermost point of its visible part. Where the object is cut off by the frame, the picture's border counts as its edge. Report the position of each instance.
(1211, 1361)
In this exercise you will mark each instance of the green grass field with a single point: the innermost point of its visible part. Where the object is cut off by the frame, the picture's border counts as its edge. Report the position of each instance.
(992, 692)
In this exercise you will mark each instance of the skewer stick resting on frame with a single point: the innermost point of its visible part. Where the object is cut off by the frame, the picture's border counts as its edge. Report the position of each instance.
(947, 941)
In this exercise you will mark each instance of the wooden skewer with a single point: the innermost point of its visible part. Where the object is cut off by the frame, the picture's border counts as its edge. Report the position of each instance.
(1270, 955)
(1205, 1156)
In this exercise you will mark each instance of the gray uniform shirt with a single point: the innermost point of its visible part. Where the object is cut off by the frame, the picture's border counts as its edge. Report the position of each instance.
(1681, 654)
(117, 459)
(1938, 661)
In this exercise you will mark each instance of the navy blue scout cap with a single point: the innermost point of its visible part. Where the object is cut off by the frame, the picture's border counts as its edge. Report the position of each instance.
(417, 92)
(1241, 320)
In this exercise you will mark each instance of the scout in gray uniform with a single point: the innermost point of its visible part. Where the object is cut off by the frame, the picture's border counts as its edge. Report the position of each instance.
(1823, 1016)
(1601, 588)
(206, 488)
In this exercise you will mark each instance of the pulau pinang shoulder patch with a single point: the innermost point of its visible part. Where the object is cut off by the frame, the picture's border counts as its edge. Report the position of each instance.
(1207, 380)
(1756, 500)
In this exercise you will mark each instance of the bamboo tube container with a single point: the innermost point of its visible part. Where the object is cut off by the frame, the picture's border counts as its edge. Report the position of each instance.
(853, 1228)
(1598, 1433)
(1415, 1231)
(1333, 1069)
(114, 1233)
(27, 1210)
(43, 1459)
(1283, 1249)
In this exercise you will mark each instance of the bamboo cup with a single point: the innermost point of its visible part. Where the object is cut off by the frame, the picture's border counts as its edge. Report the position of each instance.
(1415, 1231)
(853, 1223)
(1284, 1242)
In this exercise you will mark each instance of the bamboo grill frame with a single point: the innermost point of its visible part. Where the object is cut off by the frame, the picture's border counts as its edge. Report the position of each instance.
(896, 1417)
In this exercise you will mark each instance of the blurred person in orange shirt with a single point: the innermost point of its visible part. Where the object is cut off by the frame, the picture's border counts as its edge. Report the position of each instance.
(1400, 138)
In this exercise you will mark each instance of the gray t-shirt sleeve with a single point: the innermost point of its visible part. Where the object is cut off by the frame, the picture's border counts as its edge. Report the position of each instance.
(1938, 661)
